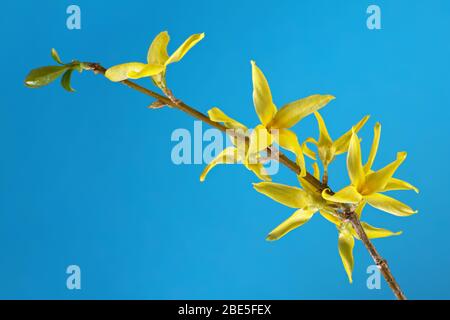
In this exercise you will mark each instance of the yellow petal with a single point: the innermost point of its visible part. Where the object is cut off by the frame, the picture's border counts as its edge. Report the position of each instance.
(262, 97)
(330, 217)
(374, 148)
(259, 170)
(157, 52)
(346, 243)
(160, 80)
(354, 164)
(397, 184)
(185, 47)
(325, 144)
(147, 71)
(341, 144)
(377, 180)
(260, 139)
(324, 136)
(288, 140)
(293, 112)
(239, 139)
(316, 171)
(228, 155)
(374, 233)
(390, 205)
(289, 196)
(359, 209)
(217, 115)
(120, 72)
(299, 218)
(348, 194)
(306, 150)
(309, 188)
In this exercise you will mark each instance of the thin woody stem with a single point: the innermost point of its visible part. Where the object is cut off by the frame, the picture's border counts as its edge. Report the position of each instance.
(177, 104)
(171, 101)
(381, 263)
(325, 176)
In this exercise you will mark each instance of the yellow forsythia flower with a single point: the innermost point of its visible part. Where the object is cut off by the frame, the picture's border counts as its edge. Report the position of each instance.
(276, 121)
(328, 149)
(286, 117)
(240, 151)
(347, 234)
(157, 61)
(367, 185)
(307, 202)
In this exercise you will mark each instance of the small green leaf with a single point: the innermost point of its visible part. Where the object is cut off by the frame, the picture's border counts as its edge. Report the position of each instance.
(43, 76)
(65, 80)
(56, 57)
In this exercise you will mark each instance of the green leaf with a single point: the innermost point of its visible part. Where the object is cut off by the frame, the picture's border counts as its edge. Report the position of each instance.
(43, 76)
(56, 57)
(65, 80)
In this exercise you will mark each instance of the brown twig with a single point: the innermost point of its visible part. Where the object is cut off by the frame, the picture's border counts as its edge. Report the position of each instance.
(351, 216)
(381, 263)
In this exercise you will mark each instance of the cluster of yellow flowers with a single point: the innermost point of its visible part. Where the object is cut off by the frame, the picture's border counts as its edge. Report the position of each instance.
(366, 185)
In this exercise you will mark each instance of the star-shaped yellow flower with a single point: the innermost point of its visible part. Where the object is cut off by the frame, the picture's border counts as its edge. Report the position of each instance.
(367, 185)
(241, 149)
(326, 147)
(157, 61)
(308, 202)
(275, 123)
(347, 235)
(305, 203)
(279, 121)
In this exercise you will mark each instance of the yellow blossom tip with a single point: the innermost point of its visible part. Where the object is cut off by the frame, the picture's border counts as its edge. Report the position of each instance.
(366, 118)
(252, 62)
(271, 237)
(402, 155)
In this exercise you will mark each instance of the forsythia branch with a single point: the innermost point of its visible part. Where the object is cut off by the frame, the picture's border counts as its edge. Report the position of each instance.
(343, 212)
(97, 68)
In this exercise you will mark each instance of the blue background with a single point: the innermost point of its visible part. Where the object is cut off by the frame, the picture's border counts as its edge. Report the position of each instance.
(87, 178)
